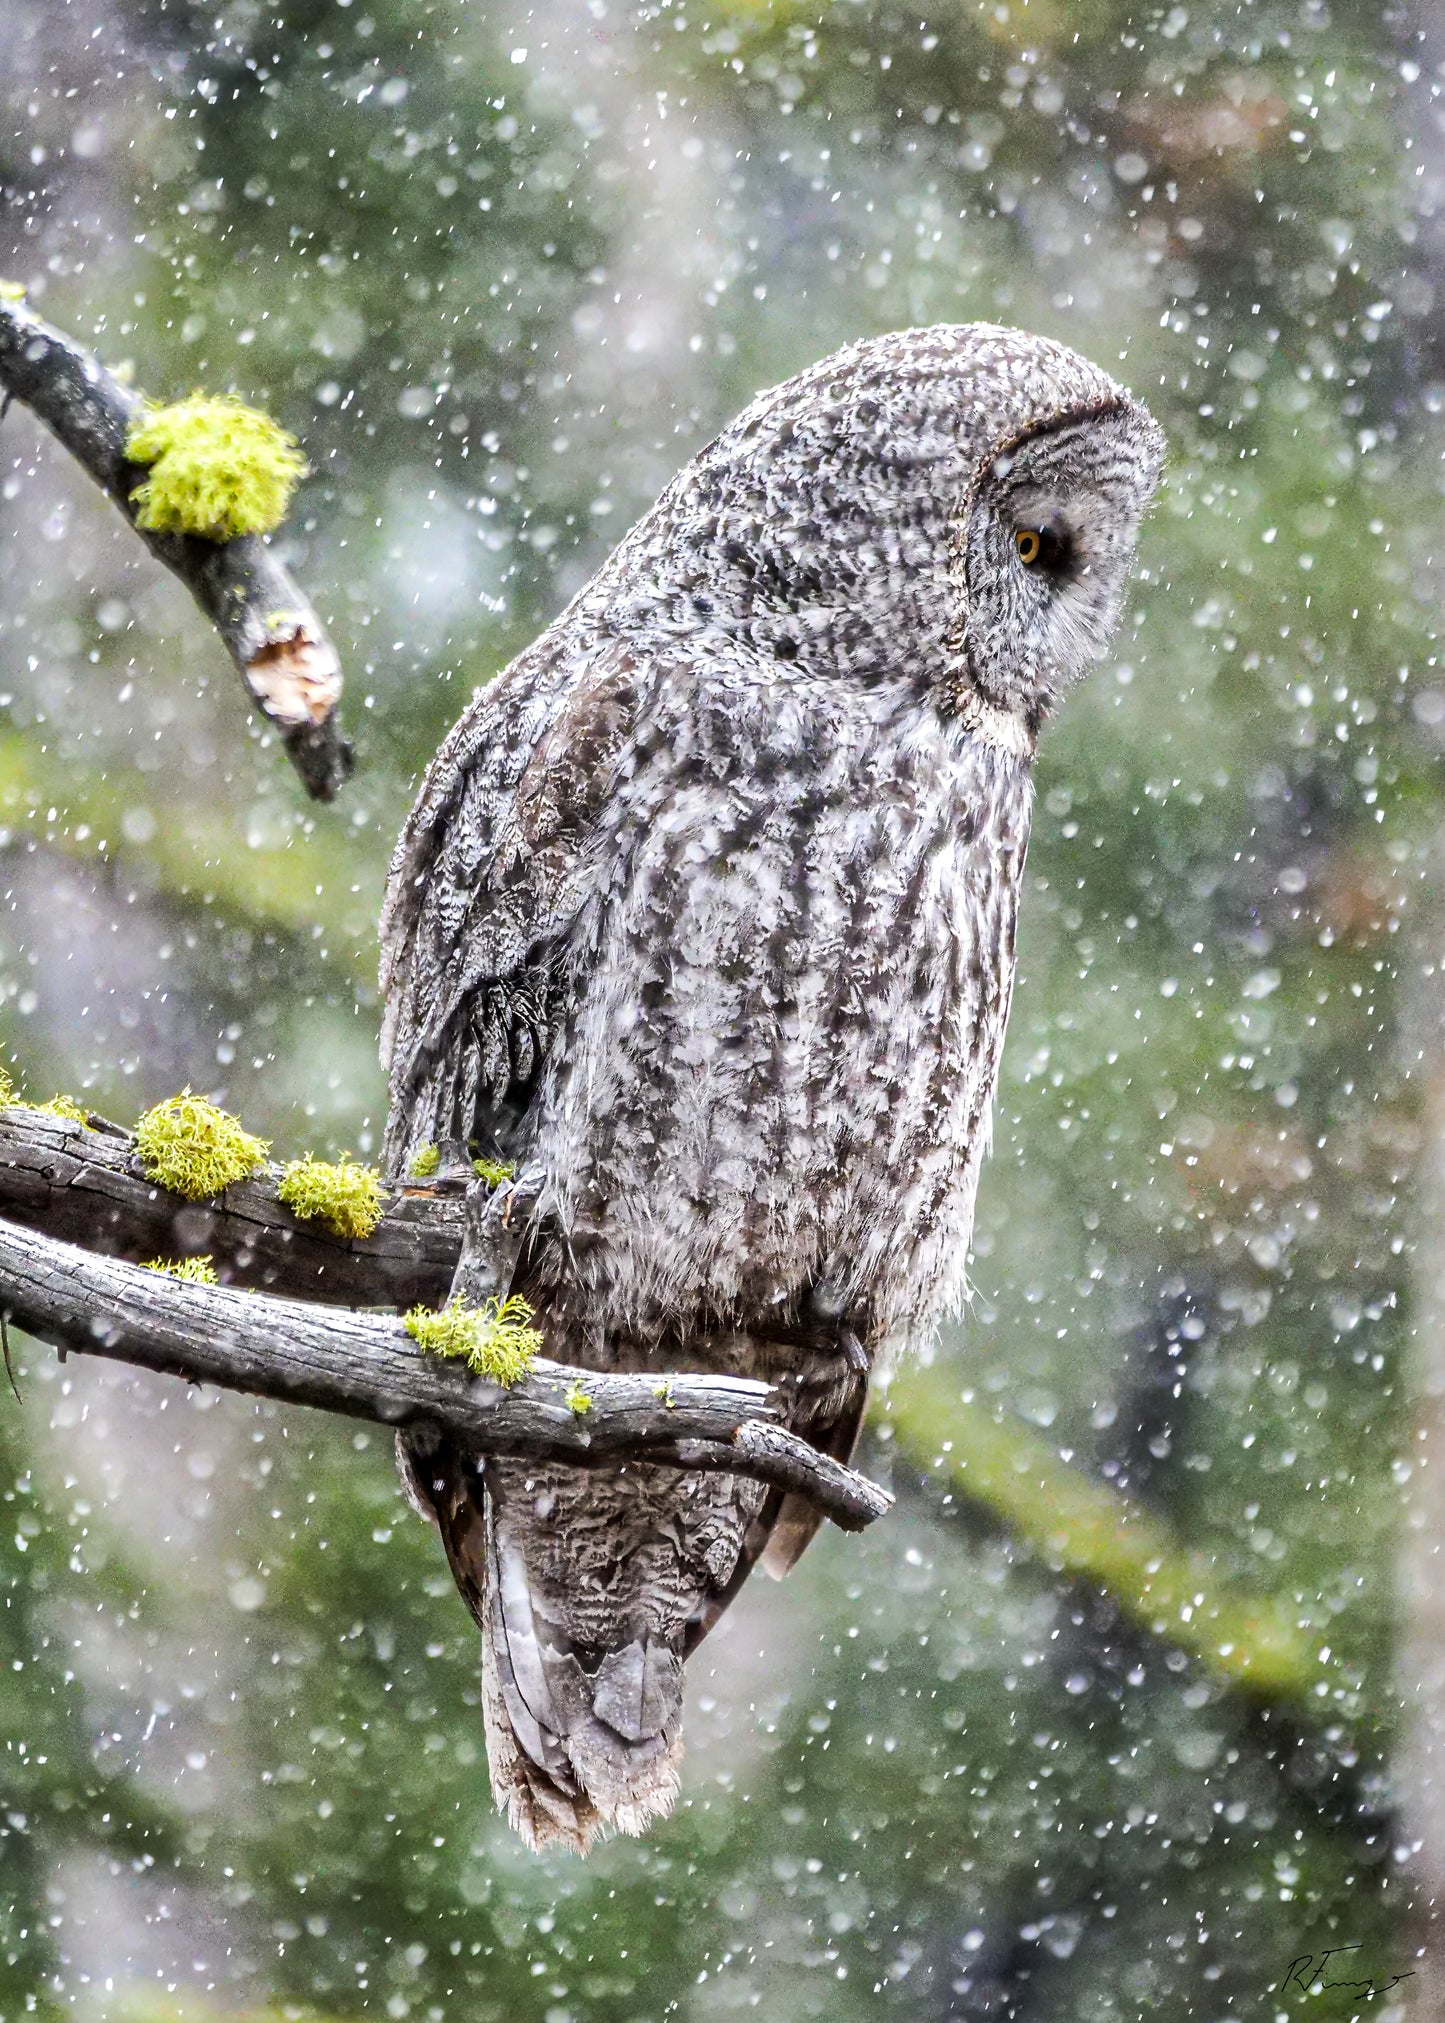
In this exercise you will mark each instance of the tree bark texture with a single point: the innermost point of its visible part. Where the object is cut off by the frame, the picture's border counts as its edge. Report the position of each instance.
(87, 1187)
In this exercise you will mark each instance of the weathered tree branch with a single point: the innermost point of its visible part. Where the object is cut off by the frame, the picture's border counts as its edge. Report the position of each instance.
(87, 1187)
(268, 626)
(65, 1176)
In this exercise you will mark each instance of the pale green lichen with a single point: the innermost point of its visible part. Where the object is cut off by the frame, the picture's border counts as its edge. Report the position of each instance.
(59, 1106)
(63, 1106)
(663, 1391)
(578, 1401)
(425, 1162)
(191, 1148)
(217, 468)
(496, 1340)
(346, 1197)
(194, 1270)
(493, 1171)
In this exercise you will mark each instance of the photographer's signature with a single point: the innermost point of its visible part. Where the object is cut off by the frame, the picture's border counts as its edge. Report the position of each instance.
(1333, 1969)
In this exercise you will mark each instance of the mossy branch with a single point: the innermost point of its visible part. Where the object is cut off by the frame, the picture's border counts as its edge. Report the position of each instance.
(269, 627)
(496, 1340)
(87, 1184)
(344, 1196)
(367, 1366)
(193, 1149)
(195, 1270)
(213, 467)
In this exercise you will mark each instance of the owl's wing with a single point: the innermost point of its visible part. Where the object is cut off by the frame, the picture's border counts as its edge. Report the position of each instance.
(486, 882)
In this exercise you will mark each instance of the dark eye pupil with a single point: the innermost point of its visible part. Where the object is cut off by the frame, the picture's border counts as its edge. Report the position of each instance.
(1041, 547)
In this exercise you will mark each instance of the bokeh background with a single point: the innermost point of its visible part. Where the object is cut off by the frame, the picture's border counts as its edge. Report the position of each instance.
(503, 270)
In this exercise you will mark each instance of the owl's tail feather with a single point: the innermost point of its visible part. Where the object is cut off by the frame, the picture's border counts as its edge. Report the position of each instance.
(577, 1742)
(590, 1586)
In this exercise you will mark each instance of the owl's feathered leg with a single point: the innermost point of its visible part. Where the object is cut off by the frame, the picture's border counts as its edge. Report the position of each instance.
(490, 1249)
(832, 1418)
(496, 1229)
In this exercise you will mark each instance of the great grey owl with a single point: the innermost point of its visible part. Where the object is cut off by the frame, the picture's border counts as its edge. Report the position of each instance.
(704, 917)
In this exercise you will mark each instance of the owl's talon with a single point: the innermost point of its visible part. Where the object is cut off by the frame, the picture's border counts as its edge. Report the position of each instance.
(524, 1189)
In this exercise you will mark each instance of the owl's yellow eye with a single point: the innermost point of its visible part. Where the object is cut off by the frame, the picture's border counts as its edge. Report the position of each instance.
(1043, 548)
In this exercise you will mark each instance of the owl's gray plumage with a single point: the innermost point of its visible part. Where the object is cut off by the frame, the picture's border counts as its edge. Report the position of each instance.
(705, 917)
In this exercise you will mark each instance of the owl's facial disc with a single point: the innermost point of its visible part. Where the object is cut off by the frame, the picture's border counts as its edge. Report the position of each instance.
(1046, 539)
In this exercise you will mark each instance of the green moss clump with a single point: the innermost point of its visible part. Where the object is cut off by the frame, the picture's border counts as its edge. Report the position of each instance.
(194, 1270)
(578, 1400)
(11, 291)
(64, 1106)
(191, 1148)
(496, 1340)
(427, 1161)
(217, 468)
(345, 1197)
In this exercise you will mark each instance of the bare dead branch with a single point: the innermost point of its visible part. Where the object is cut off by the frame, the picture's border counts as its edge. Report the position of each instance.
(267, 624)
(366, 1366)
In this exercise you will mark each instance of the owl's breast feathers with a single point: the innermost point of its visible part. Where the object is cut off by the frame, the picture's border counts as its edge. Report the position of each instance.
(727, 950)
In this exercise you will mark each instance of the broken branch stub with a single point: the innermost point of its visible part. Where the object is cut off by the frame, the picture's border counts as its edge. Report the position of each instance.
(269, 627)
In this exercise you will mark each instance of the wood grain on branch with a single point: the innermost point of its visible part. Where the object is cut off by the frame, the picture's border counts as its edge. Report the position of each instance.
(87, 1187)
(62, 1177)
(269, 627)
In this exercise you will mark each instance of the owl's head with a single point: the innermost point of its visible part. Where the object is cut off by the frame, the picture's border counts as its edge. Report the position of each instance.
(955, 508)
(1043, 540)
